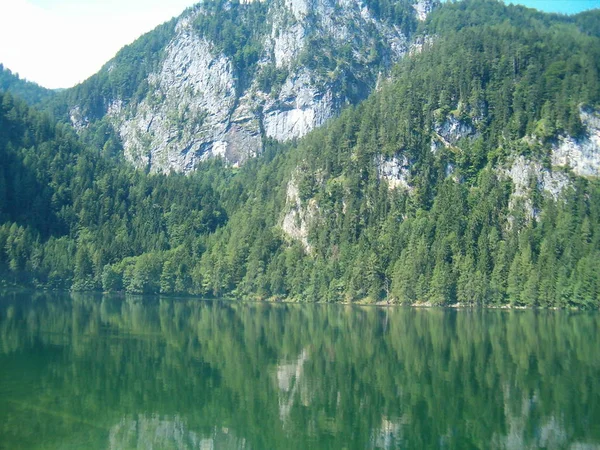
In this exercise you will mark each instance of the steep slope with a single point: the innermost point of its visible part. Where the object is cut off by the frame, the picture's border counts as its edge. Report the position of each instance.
(66, 210)
(470, 176)
(225, 75)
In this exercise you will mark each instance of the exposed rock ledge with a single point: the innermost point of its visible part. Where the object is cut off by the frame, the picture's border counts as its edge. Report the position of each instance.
(395, 170)
(298, 218)
(197, 106)
(449, 132)
(582, 155)
(527, 175)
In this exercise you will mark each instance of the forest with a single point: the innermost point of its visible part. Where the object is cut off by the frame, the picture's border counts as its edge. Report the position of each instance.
(74, 215)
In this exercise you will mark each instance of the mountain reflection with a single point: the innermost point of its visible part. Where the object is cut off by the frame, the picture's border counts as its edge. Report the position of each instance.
(289, 377)
(153, 432)
(116, 373)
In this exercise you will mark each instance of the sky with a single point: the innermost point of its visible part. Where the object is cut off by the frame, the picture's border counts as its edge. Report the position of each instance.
(59, 43)
(559, 6)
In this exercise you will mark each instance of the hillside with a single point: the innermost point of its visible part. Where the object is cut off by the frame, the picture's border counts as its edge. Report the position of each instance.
(32, 93)
(226, 75)
(470, 176)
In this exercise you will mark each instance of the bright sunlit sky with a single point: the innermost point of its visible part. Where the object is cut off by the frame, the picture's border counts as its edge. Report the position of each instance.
(59, 43)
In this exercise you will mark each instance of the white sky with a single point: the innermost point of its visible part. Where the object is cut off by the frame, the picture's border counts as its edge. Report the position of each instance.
(59, 43)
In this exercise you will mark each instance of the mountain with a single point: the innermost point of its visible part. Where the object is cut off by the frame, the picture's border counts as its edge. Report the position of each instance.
(32, 93)
(67, 209)
(469, 175)
(226, 75)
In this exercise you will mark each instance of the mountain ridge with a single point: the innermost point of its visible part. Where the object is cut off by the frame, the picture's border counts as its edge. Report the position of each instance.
(469, 176)
(224, 76)
(32, 93)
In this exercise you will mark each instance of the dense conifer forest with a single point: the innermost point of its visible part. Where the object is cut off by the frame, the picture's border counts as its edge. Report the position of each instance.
(75, 215)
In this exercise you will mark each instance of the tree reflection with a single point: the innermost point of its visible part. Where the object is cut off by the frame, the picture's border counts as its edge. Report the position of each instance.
(130, 372)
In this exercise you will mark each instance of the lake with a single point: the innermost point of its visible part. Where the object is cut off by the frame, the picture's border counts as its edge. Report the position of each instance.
(96, 372)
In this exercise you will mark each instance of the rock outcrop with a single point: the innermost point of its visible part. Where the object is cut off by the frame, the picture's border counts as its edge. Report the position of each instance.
(581, 155)
(299, 108)
(528, 175)
(449, 132)
(395, 170)
(323, 54)
(423, 8)
(299, 216)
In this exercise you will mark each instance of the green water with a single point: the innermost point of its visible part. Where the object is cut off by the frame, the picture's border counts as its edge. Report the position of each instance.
(85, 372)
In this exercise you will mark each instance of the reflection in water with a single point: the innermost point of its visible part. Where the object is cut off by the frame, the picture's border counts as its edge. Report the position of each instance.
(289, 377)
(153, 432)
(109, 373)
(388, 434)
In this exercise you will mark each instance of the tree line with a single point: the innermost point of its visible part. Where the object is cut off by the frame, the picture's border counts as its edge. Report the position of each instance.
(515, 77)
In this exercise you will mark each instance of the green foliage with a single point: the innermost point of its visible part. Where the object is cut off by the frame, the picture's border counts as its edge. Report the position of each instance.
(508, 73)
(124, 77)
(236, 29)
(287, 376)
(450, 239)
(32, 93)
(270, 79)
(91, 211)
(399, 13)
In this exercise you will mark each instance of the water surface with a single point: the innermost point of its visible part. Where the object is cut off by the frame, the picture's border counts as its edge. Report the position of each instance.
(80, 371)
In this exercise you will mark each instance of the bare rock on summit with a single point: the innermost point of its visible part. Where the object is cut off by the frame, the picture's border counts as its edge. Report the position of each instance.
(316, 55)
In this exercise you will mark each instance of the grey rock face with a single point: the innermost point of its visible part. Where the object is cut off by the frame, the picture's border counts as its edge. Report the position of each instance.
(192, 112)
(449, 132)
(78, 120)
(299, 108)
(197, 107)
(396, 171)
(423, 8)
(581, 155)
(298, 217)
(526, 174)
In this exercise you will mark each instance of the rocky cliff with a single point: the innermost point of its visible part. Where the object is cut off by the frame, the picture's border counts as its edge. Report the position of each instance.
(302, 61)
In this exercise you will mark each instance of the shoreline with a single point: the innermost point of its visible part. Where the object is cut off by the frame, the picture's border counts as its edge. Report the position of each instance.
(276, 300)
